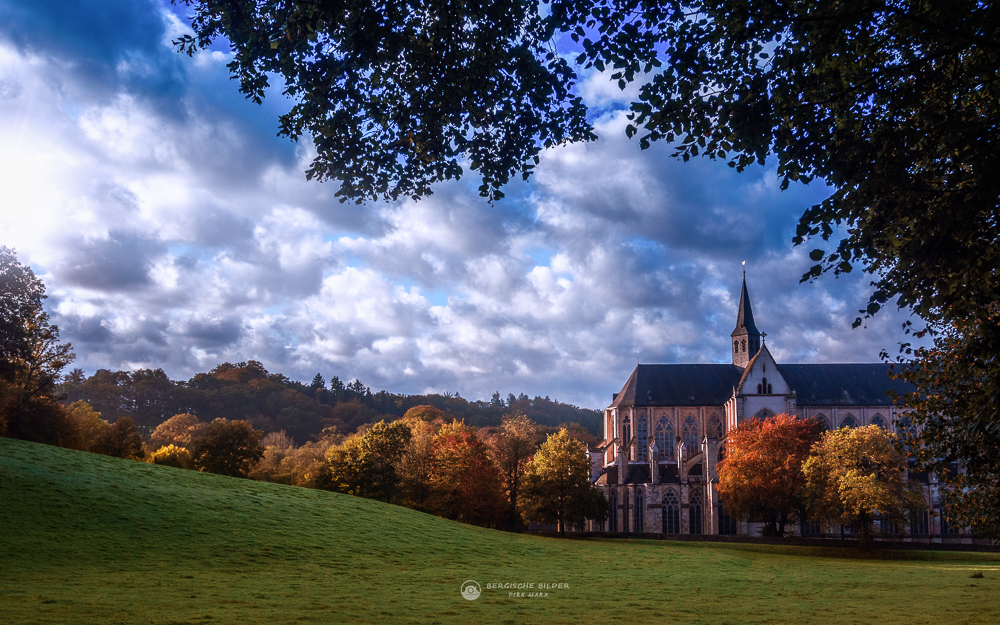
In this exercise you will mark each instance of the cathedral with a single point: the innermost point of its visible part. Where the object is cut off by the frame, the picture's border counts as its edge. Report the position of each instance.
(665, 431)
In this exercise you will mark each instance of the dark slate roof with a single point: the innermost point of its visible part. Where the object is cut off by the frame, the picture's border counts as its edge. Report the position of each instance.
(842, 384)
(669, 474)
(638, 474)
(712, 385)
(744, 318)
(608, 476)
(679, 385)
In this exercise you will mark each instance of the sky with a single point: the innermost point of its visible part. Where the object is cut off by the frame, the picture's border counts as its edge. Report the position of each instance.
(174, 229)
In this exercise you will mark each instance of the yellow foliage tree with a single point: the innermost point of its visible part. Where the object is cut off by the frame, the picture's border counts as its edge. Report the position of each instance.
(89, 425)
(557, 486)
(855, 476)
(172, 456)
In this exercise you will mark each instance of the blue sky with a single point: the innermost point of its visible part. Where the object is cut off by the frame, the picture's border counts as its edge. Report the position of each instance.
(174, 229)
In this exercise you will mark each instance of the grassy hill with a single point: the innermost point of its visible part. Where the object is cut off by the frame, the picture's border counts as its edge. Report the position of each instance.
(90, 539)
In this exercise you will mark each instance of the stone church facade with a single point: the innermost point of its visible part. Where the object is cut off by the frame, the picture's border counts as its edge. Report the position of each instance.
(665, 432)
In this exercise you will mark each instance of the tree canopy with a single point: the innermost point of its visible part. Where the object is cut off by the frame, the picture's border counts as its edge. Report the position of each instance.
(855, 476)
(31, 358)
(761, 475)
(557, 486)
(227, 448)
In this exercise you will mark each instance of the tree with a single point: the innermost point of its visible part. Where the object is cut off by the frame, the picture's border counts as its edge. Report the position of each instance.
(511, 450)
(31, 358)
(89, 425)
(956, 425)
(345, 471)
(761, 476)
(557, 486)
(227, 448)
(416, 465)
(317, 383)
(367, 465)
(172, 456)
(464, 483)
(857, 475)
(177, 430)
(21, 295)
(382, 448)
(424, 412)
(394, 99)
(120, 440)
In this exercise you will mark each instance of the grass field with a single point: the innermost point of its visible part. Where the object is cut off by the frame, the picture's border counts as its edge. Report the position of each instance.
(90, 539)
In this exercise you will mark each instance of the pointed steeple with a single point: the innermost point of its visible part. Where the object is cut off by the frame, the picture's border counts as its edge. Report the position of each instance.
(744, 317)
(746, 336)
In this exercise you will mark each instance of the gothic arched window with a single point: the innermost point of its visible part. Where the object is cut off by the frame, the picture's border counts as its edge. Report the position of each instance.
(714, 427)
(879, 421)
(823, 424)
(727, 524)
(671, 513)
(690, 434)
(639, 502)
(763, 413)
(849, 422)
(643, 442)
(613, 519)
(695, 511)
(665, 438)
(627, 439)
(919, 522)
(907, 432)
(743, 345)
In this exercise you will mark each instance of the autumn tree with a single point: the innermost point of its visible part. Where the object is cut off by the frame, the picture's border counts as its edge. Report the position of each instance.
(367, 464)
(172, 456)
(177, 430)
(956, 420)
(31, 358)
(557, 487)
(227, 448)
(382, 447)
(761, 476)
(416, 465)
(120, 440)
(464, 483)
(88, 424)
(284, 463)
(511, 448)
(856, 475)
(424, 412)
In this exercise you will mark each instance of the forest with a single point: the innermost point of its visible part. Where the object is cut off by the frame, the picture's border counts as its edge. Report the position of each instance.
(271, 402)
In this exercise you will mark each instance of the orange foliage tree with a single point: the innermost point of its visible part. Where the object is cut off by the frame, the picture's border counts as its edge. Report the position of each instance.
(464, 483)
(761, 476)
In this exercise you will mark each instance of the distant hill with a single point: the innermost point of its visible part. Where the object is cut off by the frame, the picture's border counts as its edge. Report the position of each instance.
(273, 402)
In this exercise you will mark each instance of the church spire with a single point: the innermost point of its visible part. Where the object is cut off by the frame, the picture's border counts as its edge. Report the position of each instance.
(746, 336)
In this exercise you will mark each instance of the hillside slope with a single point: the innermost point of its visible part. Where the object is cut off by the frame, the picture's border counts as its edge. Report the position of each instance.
(90, 539)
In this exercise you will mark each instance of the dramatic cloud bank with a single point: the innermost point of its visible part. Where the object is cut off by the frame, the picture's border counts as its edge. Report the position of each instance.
(174, 230)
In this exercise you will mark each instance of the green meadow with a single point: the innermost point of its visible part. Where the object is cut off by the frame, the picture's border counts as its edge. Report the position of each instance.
(90, 539)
